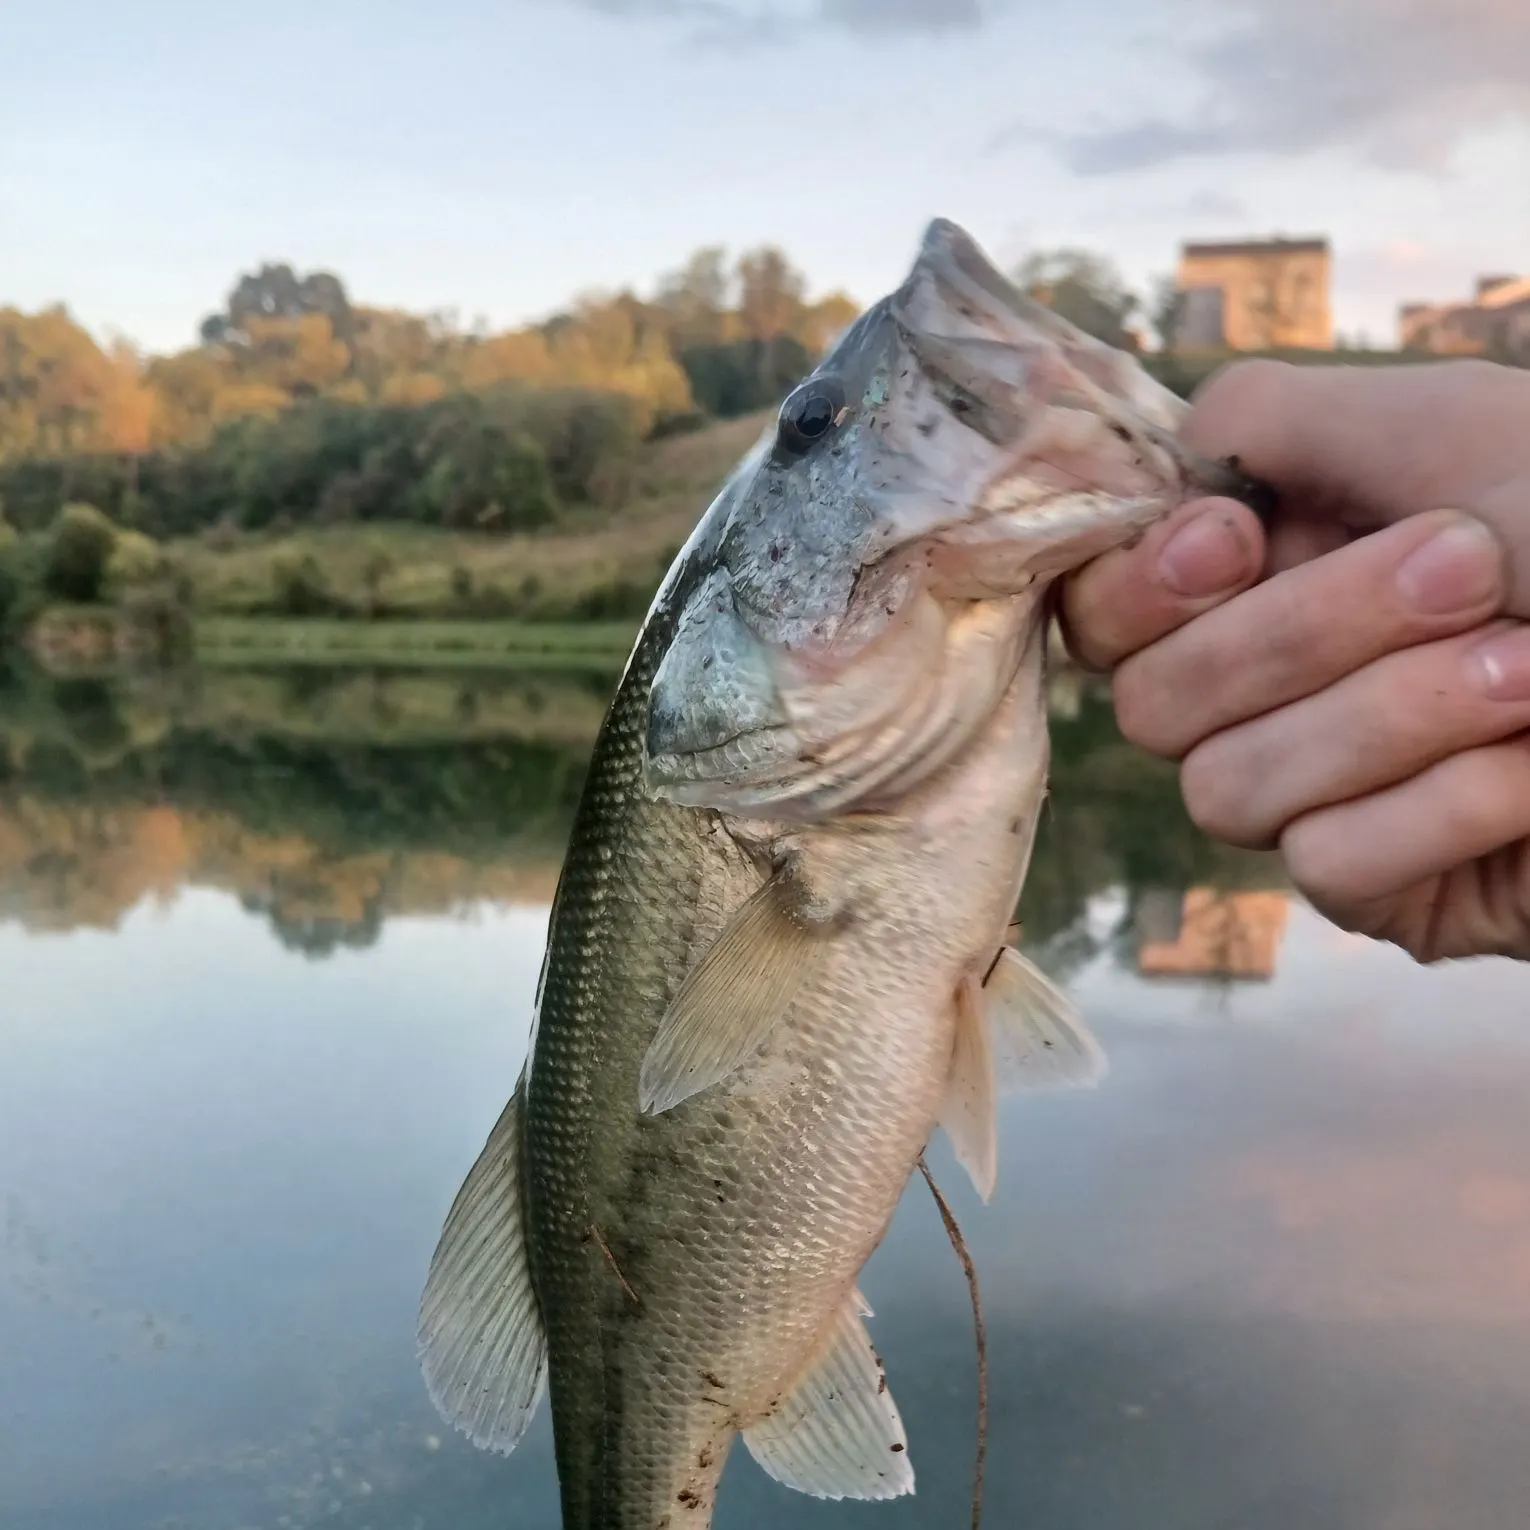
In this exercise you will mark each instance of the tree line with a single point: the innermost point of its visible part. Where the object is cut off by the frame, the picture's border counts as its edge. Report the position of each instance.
(297, 403)
(708, 340)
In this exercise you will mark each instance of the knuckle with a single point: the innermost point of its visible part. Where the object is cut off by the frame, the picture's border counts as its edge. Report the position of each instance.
(1319, 862)
(1086, 616)
(1138, 716)
(1217, 799)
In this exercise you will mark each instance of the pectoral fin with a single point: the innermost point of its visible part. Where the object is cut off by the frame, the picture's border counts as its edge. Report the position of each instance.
(1015, 1031)
(731, 999)
(481, 1341)
(838, 1434)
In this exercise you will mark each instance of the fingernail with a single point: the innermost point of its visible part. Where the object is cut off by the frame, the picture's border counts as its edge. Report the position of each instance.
(1205, 556)
(1455, 569)
(1501, 665)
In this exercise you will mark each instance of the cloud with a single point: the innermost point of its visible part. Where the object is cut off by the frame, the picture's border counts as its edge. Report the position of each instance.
(773, 20)
(904, 15)
(1400, 84)
(1207, 203)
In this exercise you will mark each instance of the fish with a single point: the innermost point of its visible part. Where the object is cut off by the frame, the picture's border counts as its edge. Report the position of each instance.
(779, 954)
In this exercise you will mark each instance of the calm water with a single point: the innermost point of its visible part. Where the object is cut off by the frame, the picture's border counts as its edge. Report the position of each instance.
(269, 946)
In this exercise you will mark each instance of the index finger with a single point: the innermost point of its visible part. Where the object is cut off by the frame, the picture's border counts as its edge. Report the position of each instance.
(1370, 444)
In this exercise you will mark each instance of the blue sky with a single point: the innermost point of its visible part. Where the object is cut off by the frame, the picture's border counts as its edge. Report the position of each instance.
(496, 158)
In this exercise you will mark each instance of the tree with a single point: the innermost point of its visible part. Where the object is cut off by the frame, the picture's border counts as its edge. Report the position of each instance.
(61, 394)
(1086, 289)
(770, 293)
(278, 292)
(1168, 309)
(694, 299)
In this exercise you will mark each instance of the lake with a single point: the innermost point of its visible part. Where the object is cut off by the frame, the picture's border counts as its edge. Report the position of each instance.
(269, 945)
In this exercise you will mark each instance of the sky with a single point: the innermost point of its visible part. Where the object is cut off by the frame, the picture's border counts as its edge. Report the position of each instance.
(497, 157)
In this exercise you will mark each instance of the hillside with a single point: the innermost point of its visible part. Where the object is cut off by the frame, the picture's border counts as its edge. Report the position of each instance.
(86, 591)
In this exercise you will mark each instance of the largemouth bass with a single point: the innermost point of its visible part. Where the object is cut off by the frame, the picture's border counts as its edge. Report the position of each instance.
(778, 953)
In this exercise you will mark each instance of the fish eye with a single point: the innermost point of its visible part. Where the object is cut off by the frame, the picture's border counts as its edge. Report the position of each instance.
(810, 412)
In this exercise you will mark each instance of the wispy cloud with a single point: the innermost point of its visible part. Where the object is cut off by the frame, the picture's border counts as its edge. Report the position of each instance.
(1209, 204)
(779, 20)
(1400, 82)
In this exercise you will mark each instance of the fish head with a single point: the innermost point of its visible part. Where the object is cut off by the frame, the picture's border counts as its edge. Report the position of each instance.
(960, 446)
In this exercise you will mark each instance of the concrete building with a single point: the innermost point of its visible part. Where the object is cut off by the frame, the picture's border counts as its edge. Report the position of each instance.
(1495, 322)
(1255, 295)
(1214, 933)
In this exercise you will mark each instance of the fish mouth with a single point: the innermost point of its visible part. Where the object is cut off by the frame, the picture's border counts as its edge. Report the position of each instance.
(970, 325)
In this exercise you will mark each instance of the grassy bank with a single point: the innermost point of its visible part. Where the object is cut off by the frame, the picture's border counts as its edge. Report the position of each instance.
(88, 592)
(244, 642)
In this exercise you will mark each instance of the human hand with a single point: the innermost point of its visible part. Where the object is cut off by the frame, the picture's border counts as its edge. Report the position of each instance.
(1353, 687)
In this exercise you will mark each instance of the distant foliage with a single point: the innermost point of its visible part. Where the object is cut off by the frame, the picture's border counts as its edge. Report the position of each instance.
(1086, 289)
(736, 377)
(299, 405)
(505, 461)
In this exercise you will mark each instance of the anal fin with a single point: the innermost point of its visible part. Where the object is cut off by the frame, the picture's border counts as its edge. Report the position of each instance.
(838, 1433)
(481, 1341)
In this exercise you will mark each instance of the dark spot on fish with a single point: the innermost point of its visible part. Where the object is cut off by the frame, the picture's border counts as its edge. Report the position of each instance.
(959, 405)
(688, 1498)
(775, 552)
(704, 1460)
(899, 1449)
(1121, 432)
(706, 663)
(928, 427)
(881, 1383)
(1014, 828)
(711, 1380)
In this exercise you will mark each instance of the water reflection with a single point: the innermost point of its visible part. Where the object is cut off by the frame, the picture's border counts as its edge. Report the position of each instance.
(1273, 1273)
(329, 803)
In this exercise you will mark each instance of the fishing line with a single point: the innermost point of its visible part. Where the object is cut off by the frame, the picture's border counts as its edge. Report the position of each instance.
(959, 1243)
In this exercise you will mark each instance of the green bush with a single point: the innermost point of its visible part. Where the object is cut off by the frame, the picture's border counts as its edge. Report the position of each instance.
(300, 588)
(135, 560)
(80, 544)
